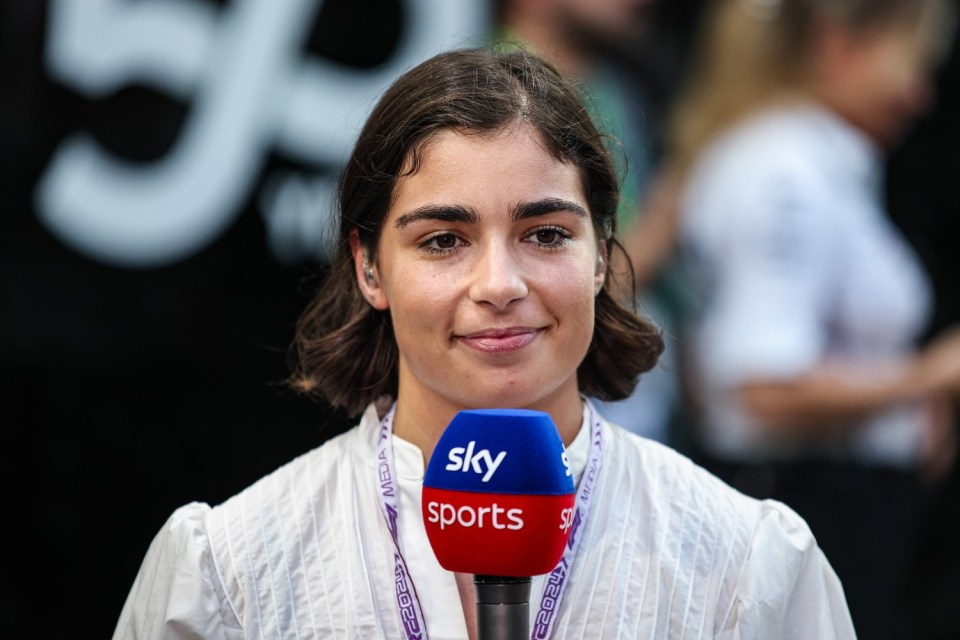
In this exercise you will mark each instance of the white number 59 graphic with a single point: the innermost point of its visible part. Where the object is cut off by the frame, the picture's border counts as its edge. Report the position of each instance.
(250, 90)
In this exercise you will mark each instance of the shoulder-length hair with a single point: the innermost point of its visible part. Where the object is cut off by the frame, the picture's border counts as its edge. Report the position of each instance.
(344, 350)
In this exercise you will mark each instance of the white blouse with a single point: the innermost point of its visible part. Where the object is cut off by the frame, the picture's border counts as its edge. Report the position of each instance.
(794, 265)
(668, 552)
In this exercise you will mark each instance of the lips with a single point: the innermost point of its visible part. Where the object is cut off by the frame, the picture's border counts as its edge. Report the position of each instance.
(500, 340)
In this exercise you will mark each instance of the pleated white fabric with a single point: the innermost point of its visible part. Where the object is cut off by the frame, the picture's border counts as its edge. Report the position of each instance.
(668, 552)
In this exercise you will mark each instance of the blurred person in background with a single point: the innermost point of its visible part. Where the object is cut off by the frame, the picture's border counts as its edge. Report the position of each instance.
(800, 356)
(607, 48)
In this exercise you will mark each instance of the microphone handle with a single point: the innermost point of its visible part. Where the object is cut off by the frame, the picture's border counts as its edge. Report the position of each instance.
(503, 607)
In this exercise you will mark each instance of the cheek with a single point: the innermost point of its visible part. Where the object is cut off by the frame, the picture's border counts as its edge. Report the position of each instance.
(571, 292)
(421, 303)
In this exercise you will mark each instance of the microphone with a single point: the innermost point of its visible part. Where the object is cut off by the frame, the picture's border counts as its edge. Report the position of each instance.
(498, 500)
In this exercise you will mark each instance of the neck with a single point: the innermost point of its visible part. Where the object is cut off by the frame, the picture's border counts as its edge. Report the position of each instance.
(422, 420)
(420, 427)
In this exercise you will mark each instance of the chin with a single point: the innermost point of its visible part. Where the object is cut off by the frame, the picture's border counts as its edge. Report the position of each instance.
(499, 399)
(510, 396)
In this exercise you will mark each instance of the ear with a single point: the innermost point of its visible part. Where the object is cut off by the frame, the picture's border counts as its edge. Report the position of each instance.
(600, 275)
(367, 278)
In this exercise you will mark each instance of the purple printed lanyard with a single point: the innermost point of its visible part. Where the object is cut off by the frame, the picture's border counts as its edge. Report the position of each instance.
(407, 601)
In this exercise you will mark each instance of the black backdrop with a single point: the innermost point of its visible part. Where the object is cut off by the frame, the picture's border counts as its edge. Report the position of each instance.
(125, 393)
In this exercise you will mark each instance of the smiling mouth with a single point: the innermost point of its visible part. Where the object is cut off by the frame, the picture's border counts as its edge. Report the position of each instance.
(500, 340)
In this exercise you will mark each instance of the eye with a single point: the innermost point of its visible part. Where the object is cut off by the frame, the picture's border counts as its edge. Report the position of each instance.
(441, 243)
(549, 237)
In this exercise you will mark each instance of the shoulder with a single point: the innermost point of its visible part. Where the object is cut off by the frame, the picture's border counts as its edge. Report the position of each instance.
(740, 563)
(291, 488)
(785, 136)
(695, 523)
(308, 470)
(270, 518)
(786, 582)
(675, 490)
(179, 584)
(674, 482)
(297, 483)
(770, 160)
(768, 187)
(208, 568)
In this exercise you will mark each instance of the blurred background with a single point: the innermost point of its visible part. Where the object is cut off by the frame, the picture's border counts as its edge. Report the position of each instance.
(167, 171)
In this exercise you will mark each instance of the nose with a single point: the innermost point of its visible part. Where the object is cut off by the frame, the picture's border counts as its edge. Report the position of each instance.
(498, 278)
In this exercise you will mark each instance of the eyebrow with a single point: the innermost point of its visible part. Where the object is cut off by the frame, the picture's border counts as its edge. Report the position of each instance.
(441, 212)
(526, 210)
(463, 214)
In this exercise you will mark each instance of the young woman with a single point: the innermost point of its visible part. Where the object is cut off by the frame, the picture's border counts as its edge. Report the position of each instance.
(477, 216)
(801, 351)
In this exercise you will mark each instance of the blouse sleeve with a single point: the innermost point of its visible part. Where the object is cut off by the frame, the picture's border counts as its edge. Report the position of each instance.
(178, 593)
(786, 588)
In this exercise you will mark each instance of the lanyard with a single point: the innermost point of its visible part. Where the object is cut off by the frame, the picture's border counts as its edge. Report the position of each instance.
(407, 601)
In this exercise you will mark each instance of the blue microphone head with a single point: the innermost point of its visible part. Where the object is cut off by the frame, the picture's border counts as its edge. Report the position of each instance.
(498, 494)
(510, 451)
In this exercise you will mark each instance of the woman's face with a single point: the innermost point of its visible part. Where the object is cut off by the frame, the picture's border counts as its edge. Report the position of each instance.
(488, 263)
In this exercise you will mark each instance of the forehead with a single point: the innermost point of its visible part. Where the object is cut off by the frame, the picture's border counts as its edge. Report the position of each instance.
(508, 165)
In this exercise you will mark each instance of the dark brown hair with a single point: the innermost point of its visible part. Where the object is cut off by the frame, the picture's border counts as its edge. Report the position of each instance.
(345, 351)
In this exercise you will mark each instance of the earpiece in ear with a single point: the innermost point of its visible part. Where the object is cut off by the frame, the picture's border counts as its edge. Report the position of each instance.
(368, 274)
(600, 264)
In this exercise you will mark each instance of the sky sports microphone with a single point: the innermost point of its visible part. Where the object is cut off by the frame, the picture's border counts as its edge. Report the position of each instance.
(498, 500)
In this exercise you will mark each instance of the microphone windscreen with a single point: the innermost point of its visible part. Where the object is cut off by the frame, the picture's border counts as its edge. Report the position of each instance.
(498, 494)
